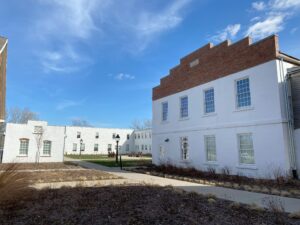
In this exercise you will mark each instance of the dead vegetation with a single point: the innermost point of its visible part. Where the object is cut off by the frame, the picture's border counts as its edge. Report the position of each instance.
(13, 185)
(281, 184)
(148, 205)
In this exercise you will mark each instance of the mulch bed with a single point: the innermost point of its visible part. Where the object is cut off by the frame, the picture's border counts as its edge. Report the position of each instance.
(71, 175)
(132, 205)
(37, 166)
(282, 186)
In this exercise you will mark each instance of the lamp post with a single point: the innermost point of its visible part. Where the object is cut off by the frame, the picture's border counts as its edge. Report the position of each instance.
(117, 138)
(81, 141)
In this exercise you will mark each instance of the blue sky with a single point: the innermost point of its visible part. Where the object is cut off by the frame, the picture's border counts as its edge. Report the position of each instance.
(99, 59)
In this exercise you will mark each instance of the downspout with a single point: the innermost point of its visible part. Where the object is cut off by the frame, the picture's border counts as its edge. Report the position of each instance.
(290, 121)
(64, 145)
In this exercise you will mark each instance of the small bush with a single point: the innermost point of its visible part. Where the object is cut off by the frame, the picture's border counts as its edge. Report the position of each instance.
(275, 206)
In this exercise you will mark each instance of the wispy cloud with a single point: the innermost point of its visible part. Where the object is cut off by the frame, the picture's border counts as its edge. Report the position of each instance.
(271, 25)
(124, 76)
(64, 104)
(259, 6)
(229, 32)
(277, 12)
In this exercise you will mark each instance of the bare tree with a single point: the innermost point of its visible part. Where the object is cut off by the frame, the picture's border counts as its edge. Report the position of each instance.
(38, 134)
(140, 125)
(18, 115)
(80, 123)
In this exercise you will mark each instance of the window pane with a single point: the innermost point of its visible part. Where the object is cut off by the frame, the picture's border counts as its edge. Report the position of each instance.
(209, 104)
(246, 149)
(184, 107)
(164, 111)
(243, 93)
(47, 148)
(24, 147)
(184, 148)
(210, 145)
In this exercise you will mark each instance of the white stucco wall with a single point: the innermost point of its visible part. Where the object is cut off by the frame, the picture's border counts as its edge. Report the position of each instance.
(143, 141)
(265, 120)
(15, 132)
(88, 135)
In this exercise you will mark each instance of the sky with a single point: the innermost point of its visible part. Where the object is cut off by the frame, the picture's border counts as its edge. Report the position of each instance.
(98, 60)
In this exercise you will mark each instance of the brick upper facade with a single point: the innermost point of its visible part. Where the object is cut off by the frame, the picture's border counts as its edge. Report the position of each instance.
(209, 63)
(3, 56)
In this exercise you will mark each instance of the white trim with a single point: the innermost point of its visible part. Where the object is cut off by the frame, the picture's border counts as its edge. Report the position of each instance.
(186, 117)
(204, 105)
(236, 96)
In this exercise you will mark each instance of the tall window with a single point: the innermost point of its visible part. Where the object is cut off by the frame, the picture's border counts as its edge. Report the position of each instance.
(136, 147)
(96, 147)
(164, 111)
(74, 147)
(142, 147)
(97, 135)
(82, 147)
(114, 135)
(184, 148)
(209, 101)
(210, 147)
(24, 144)
(109, 147)
(243, 96)
(246, 150)
(128, 136)
(184, 110)
(78, 134)
(127, 147)
(146, 147)
(47, 148)
(149, 147)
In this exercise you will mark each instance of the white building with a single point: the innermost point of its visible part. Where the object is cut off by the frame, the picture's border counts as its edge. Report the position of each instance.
(36, 141)
(33, 142)
(143, 141)
(226, 106)
(97, 140)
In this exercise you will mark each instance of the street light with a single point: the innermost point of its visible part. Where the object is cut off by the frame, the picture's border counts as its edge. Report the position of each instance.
(81, 141)
(117, 138)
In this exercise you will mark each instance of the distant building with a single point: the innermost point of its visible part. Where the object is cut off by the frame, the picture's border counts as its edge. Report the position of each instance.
(37, 141)
(3, 61)
(143, 141)
(230, 106)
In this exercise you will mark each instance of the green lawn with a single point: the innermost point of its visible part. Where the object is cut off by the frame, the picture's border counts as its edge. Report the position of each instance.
(110, 162)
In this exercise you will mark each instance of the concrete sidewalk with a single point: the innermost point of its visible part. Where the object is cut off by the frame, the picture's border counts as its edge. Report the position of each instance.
(290, 204)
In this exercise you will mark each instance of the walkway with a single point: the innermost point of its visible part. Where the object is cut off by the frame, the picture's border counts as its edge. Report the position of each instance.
(290, 204)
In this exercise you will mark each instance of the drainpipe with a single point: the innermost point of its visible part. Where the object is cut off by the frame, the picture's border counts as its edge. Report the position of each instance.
(64, 145)
(290, 120)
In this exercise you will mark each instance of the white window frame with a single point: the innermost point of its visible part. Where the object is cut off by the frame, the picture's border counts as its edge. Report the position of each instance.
(27, 147)
(186, 158)
(47, 154)
(239, 148)
(162, 111)
(96, 146)
(74, 149)
(204, 101)
(206, 147)
(236, 94)
(180, 115)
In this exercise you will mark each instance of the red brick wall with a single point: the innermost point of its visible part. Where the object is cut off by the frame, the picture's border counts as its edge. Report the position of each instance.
(216, 62)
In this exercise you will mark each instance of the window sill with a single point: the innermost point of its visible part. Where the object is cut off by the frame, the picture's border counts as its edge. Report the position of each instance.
(185, 161)
(184, 118)
(244, 109)
(211, 163)
(21, 156)
(247, 166)
(209, 114)
(45, 156)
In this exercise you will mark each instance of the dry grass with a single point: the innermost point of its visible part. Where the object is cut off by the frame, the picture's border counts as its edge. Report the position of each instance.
(13, 185)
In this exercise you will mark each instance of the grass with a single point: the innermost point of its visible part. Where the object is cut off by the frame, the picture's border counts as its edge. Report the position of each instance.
(111, 162)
